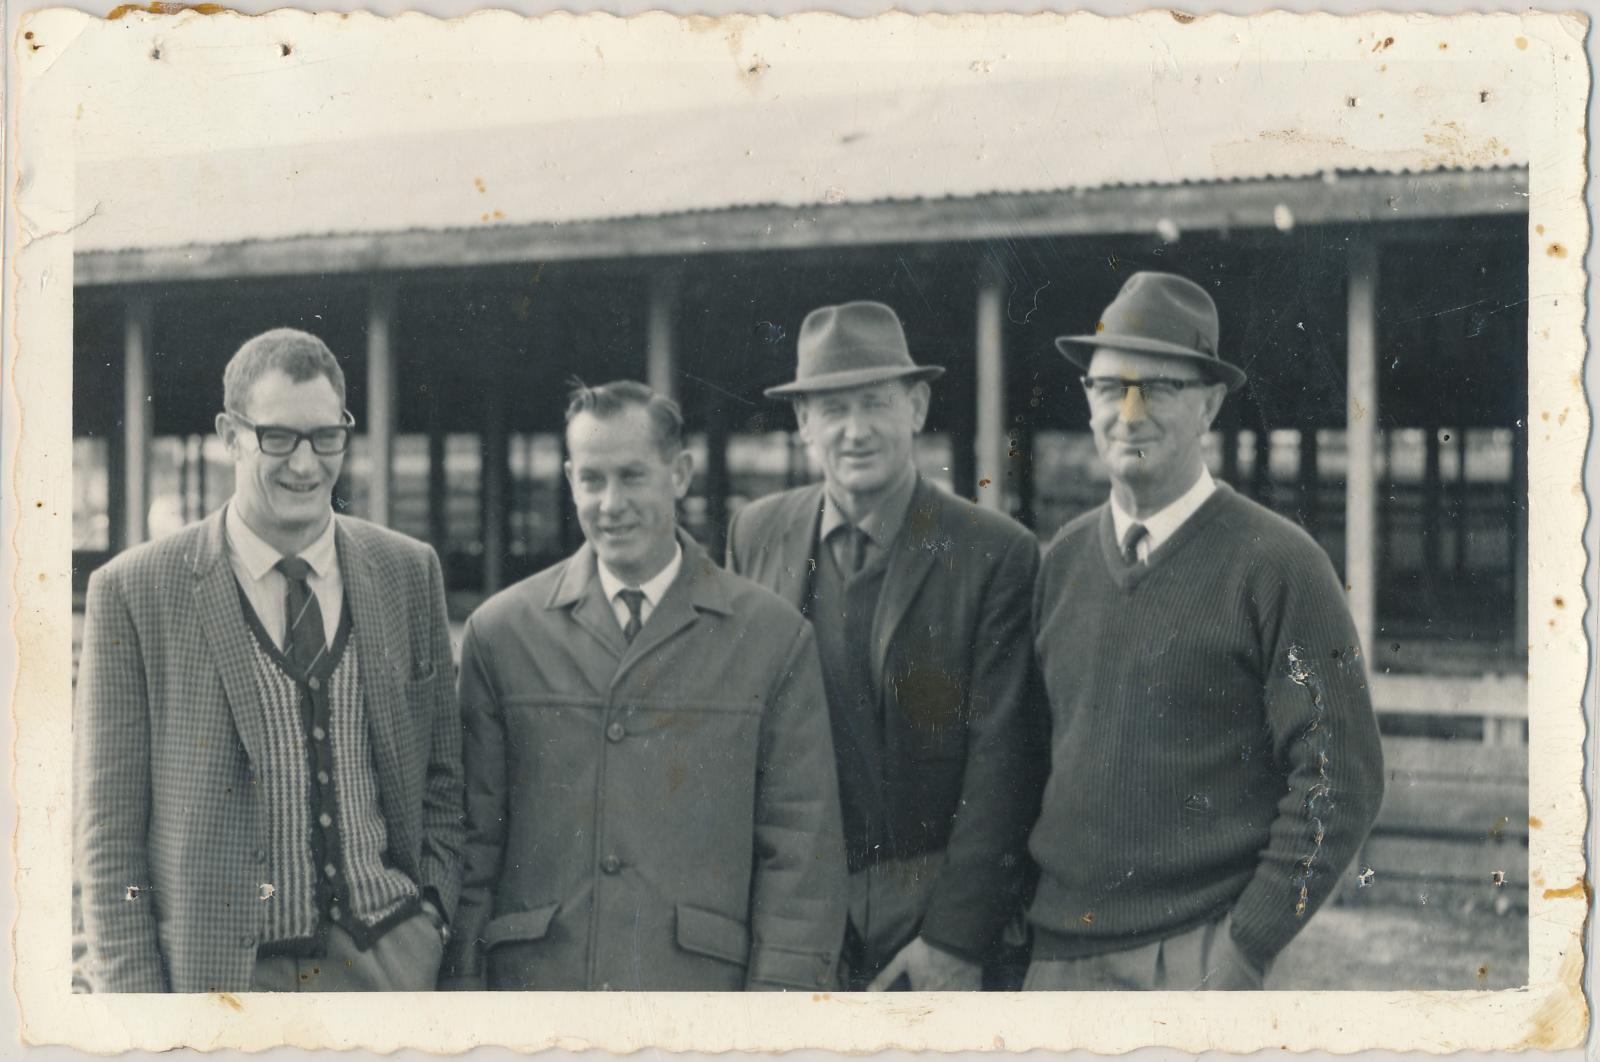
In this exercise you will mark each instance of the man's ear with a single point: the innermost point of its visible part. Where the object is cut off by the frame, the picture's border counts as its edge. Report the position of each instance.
(228, 432)
(682, 473)
(1216, 394)
(920, 394)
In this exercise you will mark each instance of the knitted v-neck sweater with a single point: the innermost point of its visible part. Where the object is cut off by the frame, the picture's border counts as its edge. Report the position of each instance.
(1213, 744)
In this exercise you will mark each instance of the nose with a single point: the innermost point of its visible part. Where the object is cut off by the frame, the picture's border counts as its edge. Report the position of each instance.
(611, 501)
(855, 426)
(1132, 408)
(302, 458)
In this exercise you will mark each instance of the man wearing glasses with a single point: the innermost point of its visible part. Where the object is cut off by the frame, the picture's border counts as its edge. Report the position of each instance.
(267, 747)
(1215, 761)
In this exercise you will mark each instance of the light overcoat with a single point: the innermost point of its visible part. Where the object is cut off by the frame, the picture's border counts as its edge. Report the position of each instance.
(168, 735)
(658, 815)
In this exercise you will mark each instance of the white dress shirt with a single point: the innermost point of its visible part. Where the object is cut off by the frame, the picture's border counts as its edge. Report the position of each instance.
(267, 589)
(1164, 522)
(654, 590)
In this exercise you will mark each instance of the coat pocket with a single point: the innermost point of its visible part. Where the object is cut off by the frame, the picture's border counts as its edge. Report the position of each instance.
(518, 954)
(519, 926)
(713, 935)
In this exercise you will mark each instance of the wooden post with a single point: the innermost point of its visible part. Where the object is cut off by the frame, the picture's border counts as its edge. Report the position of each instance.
(137, 415)
(382, 387)
(1517, 547)
(1463, 508)
(1310, 486)
(496, 460)
(438, 497)
(661, 368)
(1432, 487)
(1261, 468)
(1361, 430)
(990, 445)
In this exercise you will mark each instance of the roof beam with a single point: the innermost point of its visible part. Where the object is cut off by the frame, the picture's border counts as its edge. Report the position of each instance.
(1257, 204)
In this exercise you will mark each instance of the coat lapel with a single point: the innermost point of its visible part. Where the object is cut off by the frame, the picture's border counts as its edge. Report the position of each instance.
(580, 593)
(796, 549)
(381, 654)
(910, 560)
(697, 587)
(226, 635)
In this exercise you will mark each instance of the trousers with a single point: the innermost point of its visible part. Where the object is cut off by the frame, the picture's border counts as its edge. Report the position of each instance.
(886, 904)
(1194, 960)
(405, 959)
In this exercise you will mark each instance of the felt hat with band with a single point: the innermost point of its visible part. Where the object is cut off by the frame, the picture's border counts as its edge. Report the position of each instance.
(854, 344)
(1159, 313)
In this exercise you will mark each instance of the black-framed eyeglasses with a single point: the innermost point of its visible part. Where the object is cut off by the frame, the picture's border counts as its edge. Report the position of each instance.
(1152, 388)
(278, 441)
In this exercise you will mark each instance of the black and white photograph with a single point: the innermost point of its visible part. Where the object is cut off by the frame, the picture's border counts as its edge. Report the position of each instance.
(805, 512)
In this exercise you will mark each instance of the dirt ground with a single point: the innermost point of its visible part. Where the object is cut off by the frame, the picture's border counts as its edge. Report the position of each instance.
(1383, 947)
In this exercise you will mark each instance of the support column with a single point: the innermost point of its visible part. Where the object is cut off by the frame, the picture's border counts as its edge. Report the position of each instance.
(990, 445)
(438, 498)
(137, 415)
(1361, 431)
(496, 478)
(381, 394)
(661, 352)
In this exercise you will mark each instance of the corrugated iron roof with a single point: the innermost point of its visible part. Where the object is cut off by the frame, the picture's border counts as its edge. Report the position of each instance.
(1141, 128)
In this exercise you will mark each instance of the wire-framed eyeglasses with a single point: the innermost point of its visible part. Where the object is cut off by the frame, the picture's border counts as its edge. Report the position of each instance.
(276, 440)
(1151, 388)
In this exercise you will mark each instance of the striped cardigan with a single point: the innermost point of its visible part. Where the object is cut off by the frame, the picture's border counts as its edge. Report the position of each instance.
(168, 738)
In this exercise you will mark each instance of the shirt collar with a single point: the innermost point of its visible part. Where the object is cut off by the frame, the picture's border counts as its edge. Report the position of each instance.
(882, 523)
(654, 588)
(259, 557)
(1164, 522)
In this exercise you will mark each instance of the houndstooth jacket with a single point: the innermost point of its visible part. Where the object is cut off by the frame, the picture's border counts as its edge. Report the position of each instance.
(169, 817)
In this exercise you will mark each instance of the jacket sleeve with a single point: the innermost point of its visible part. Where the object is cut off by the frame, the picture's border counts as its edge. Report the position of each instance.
(112, 783)
(1325, 740)
(485, 760)
(798, 894)
(442, 828)
(986, 861)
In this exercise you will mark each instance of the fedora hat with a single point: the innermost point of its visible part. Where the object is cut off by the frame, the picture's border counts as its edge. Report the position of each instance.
(851, 345)
(1158, 313)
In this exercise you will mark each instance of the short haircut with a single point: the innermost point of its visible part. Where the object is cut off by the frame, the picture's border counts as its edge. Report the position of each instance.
(299, 355)
(610, 399)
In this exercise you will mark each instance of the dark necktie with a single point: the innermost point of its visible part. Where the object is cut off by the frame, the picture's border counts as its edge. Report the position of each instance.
(853, 553)
(1130, 543)
(303, 640)
(634, 599)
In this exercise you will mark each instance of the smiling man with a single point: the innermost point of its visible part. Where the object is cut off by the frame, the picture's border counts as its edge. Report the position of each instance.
(268, 754)
(650, 782)
(920, 604)
(1215, 761)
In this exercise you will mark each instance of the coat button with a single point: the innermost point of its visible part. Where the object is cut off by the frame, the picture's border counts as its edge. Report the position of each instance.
(315, 684)
(616, 732)
(261, 855)
(611, 864)
(247, 941)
